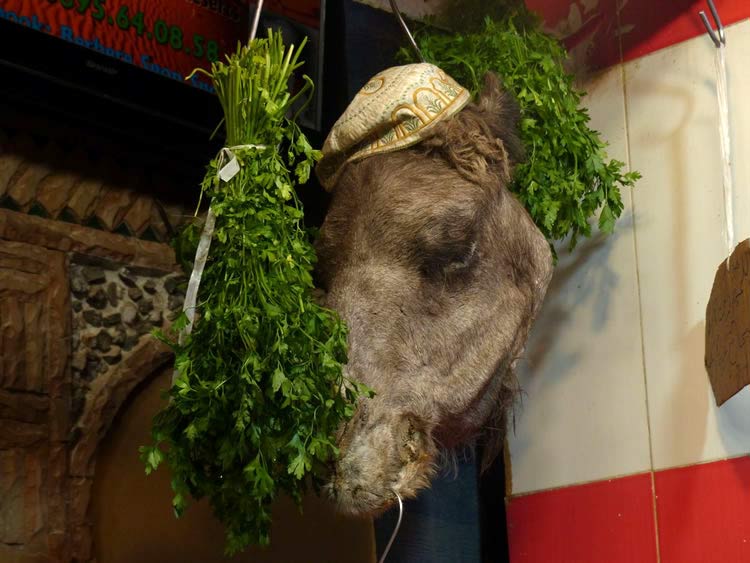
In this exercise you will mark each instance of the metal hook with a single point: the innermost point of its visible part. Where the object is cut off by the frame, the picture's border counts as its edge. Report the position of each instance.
(400, 19)
(721, 38)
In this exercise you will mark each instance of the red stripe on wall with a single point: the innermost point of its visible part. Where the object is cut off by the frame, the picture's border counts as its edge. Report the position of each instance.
(704, 512)
(591, 29)
(604, 522)
(656, 25)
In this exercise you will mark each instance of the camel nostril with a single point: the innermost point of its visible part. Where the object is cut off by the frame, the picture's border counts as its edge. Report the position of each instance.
(356, 490)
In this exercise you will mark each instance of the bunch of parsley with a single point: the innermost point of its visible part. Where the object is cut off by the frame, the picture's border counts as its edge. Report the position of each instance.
(567, 177)
(260, 391)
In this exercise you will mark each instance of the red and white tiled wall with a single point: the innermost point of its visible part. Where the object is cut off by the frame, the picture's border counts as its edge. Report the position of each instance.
(619, 453)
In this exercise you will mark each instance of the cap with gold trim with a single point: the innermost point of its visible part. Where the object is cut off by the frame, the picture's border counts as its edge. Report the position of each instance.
(397, 108)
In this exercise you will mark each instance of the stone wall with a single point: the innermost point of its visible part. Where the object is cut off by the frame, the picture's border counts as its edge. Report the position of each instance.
(114, 308)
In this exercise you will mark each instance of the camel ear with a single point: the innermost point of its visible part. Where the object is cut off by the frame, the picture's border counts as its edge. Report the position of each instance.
(491, 96)
(481, 142)
(502, 114)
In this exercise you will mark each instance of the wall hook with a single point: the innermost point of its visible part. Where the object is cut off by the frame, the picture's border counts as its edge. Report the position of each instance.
(721, 38)
(400, 19)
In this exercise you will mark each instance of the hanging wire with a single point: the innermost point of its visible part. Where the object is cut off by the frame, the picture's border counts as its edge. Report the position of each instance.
(718, 37)
(722, 94)
(720, 41)
(400, 19)
(395, 530)
(256, 19)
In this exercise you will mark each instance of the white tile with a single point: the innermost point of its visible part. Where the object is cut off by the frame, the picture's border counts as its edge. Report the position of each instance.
(674, 143)
(584, 413)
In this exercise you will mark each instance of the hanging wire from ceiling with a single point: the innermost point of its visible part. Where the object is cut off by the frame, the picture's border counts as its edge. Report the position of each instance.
(400, 18)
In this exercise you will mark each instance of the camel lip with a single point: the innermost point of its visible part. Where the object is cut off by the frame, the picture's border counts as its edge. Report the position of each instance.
(346, 503)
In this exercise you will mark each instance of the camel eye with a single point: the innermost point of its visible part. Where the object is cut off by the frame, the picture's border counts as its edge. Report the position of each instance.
(462, 262)
(452, 257)
(446, 243)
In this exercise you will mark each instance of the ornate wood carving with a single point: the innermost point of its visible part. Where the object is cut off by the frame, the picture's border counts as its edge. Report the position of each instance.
(34, 399)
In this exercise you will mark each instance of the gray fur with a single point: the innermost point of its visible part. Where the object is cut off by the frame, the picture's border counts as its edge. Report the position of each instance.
(439, 272)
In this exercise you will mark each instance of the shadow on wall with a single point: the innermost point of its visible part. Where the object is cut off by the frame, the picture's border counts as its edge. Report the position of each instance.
(133, 519)
(691, 397)
(591, 255)
(589, 269)
(734, 420)
(689, 406)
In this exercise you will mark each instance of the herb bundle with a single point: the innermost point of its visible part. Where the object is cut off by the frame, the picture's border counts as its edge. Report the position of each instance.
(567, 177)
(260, 391)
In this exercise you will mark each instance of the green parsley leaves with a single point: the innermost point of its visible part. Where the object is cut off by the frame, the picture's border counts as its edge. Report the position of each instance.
(260, 392)
(567, 178)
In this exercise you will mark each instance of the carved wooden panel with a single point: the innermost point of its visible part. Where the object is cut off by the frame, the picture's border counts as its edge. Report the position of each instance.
(34, 401)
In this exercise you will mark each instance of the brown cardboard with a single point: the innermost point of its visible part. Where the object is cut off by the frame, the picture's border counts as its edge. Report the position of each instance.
(728, 326)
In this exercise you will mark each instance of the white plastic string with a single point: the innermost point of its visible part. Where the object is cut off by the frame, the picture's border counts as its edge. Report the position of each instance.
(204, 244)
(726, 150)
(227, 171)
(395, 530)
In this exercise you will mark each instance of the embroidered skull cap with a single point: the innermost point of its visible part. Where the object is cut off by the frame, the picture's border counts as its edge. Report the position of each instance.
(397, 108)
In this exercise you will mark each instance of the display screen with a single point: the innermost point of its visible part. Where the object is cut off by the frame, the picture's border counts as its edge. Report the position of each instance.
(166, 37)
(171, 38)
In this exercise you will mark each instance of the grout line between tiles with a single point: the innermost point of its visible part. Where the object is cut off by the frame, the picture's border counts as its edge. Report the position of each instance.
(626, 113)
(702, 462)
(623, 75)
(578, 484)
(514, 496)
